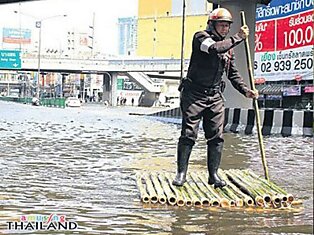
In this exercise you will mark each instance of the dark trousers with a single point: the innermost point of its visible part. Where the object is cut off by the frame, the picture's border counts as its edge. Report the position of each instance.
(201, 104)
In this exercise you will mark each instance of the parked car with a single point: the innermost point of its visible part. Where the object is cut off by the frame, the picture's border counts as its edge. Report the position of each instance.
(72, 102)
(172, 103)
(35, 101)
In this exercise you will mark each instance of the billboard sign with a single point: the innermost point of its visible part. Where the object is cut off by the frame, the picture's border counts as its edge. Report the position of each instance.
(284, 40)
(16, 36)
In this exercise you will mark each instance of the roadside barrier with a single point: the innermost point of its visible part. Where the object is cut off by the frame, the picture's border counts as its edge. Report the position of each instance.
(285, 122)
(48, 102)
(53, 102)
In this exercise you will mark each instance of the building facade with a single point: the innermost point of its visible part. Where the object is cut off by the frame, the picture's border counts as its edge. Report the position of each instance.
(161, 37)
(159, 32)
(127, 36)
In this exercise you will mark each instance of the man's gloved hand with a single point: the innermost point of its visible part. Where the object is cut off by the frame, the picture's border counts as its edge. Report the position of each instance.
(252, 94)
(244, 32)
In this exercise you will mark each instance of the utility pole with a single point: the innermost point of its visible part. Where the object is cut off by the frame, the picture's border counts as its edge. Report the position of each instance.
(39, 26)
(20, 25)
(155, 36)
(92, 36)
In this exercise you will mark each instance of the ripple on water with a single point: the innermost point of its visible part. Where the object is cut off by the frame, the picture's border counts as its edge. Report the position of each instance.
(84, 167)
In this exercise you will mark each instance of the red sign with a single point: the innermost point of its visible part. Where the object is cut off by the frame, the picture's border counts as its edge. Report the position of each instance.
(295, 31)
(298, 78)
(265, 36)
(309, 89)
(17, 40)
(259, 80)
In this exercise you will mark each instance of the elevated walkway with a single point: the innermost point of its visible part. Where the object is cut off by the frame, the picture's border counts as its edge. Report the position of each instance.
(145, 81)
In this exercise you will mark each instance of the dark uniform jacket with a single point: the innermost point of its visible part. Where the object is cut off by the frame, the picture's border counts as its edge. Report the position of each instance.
(211, 57)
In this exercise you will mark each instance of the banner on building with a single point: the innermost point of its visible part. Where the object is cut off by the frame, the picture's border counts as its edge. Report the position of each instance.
(284, 40)
(16, 36)
(291, 90)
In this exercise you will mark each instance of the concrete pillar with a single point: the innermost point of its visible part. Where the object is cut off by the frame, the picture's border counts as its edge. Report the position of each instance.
(233, 98)
(110, 88)
(82, 87)
(114, 89)
(106, 87)
(63, 78)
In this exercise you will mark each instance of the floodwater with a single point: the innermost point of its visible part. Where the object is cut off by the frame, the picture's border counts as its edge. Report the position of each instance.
(81, 163)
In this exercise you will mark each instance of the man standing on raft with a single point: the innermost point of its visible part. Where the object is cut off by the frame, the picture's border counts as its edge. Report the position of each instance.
(201, 92)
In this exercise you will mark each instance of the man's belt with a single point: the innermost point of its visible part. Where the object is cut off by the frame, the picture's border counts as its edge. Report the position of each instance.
(202, 89)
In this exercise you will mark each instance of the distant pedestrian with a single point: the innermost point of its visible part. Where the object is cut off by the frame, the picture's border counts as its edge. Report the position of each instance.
(132, 101)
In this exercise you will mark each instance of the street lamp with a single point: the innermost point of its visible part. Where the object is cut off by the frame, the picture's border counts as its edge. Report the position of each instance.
(39, 26)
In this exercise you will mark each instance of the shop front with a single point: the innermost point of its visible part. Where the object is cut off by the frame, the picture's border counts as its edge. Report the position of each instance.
(286, 96)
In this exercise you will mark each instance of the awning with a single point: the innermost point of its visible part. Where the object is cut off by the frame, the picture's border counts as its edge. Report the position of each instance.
(269, 89)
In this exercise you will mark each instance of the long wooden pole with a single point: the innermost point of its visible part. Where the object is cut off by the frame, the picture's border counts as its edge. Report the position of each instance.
(255, 104)
(182, 40)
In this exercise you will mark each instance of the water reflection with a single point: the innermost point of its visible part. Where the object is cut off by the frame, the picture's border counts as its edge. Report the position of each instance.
(82, 163)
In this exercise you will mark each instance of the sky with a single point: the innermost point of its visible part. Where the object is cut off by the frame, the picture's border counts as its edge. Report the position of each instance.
(79, 18)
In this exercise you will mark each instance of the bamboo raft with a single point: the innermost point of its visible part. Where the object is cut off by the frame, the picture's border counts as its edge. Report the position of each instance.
(244, 189)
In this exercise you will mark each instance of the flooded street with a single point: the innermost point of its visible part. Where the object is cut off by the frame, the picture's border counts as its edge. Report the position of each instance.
(82, 162)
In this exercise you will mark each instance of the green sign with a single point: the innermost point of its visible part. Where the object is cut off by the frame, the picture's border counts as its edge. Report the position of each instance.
(10, 59)
(120, 83)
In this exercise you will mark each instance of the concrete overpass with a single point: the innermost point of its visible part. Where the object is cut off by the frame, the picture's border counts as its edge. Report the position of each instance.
(135, 69)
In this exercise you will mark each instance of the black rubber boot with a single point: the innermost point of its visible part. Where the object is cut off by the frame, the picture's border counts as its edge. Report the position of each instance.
(183, 155)
(213, 161)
